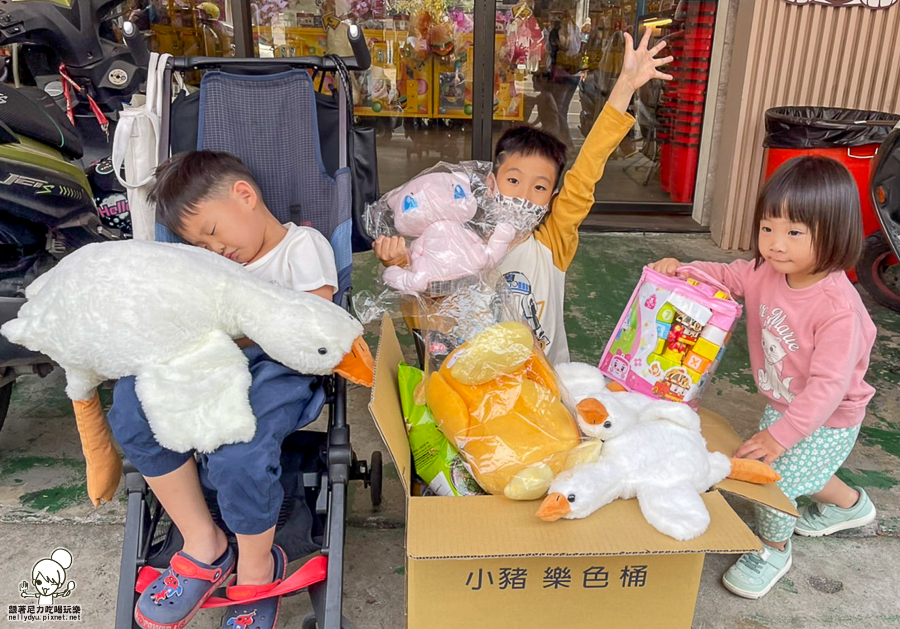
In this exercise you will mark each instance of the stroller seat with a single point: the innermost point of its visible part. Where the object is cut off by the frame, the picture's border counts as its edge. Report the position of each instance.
(237, 115)
(270, 122)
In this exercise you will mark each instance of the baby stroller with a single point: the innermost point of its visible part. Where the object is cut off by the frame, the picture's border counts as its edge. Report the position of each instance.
(296, 142)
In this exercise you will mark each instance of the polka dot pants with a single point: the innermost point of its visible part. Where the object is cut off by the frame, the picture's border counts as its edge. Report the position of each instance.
(804, 469)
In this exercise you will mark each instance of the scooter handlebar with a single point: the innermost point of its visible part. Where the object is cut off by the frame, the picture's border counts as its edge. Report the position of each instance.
(137, 44)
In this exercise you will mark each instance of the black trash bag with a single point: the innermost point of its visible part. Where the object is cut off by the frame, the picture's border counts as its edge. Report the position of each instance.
(825, 127)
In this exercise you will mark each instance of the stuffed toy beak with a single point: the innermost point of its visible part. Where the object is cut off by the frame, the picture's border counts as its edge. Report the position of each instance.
(615, 387)
(358, 365)
(554, 507)
(593, 412)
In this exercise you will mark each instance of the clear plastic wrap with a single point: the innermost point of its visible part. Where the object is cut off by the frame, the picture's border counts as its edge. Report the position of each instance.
(496, 397)
(454, 223)
(469, 306)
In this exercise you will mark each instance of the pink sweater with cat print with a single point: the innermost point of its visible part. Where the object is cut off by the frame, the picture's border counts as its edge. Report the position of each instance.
(809, 348)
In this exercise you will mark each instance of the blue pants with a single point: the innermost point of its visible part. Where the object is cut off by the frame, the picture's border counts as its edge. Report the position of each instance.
(246, 476)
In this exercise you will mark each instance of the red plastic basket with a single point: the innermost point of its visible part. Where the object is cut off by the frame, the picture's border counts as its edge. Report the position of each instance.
(701, 7)
(686, 88)
(665, 164)
(690, 75)
(700, 32)
(688, 118)
(688, 139)
(692, 98)
(689, 108)
(700, 18)
(684, 159)
(689, 63)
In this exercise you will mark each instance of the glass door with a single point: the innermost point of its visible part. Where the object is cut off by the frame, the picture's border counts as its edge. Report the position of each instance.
(418, 92)
(569, 69)
(186, 28)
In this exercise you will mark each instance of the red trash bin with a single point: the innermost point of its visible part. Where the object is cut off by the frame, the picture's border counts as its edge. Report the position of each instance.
(857, 159)
(841, 134)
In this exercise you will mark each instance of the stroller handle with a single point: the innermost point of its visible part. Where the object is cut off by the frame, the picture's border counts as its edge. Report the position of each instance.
(361, 59)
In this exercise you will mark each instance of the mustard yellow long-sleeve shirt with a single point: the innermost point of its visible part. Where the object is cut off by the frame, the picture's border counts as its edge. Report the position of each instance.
(535, 270)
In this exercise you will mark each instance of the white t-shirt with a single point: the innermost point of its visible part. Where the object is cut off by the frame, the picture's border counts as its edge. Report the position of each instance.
(538, 286)
(302, 261)
(535, 270)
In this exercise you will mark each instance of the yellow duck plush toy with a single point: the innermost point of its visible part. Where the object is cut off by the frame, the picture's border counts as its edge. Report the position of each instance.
(496, 398)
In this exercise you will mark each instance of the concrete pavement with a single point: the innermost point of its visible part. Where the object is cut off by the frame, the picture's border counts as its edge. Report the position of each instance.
(847, 581)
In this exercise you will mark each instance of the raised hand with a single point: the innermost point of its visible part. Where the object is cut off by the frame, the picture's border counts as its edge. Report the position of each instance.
(641, 64)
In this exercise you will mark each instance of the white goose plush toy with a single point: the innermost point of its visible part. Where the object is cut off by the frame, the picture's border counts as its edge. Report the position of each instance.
(601, 402)
(656, 454)
(168, 314)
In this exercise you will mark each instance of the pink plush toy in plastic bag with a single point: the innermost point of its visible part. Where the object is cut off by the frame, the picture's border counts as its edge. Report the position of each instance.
(434, 209)
(454, 223)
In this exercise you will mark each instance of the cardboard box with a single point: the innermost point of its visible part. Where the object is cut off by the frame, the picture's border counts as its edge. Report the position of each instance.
(488, 562)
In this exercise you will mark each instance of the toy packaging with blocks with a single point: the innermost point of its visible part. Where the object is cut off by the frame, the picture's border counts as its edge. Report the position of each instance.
(671, 336)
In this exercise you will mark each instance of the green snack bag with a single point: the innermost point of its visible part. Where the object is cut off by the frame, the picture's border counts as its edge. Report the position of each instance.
(437, 462)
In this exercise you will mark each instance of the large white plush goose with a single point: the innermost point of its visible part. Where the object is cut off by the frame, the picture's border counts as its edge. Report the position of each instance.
(654, 454)
(168, 314)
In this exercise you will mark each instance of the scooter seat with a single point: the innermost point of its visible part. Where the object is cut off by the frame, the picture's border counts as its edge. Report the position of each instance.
(32, 113)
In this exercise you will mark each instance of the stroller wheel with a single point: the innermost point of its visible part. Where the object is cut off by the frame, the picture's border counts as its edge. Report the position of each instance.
(375, 478)
(309, 622)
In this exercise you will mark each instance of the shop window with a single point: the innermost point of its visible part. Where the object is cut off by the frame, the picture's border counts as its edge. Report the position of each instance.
(186, 28)
(655, 166)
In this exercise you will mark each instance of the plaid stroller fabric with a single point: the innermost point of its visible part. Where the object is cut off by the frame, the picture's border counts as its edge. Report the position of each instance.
(270, 122)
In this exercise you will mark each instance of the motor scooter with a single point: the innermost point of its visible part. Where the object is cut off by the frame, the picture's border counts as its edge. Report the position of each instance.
(879, 269)
(48, 204)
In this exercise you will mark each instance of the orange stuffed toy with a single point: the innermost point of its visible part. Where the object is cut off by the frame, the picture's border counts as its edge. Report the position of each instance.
(496, 398)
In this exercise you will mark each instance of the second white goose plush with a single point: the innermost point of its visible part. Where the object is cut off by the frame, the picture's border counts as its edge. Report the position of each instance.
(655, 454)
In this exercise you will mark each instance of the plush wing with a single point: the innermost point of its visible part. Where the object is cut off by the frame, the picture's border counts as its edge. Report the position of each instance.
(675, 510)
(199, 400)
(680, 414)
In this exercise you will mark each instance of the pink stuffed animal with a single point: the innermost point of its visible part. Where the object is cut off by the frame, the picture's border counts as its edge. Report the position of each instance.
(434, 209)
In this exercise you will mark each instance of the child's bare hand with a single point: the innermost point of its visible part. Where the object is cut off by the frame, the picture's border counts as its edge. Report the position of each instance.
(763, 446)
(641, 64)
(666, 266)
(391, 251)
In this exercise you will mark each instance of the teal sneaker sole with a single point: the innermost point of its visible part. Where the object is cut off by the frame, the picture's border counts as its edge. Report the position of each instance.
(840, 526)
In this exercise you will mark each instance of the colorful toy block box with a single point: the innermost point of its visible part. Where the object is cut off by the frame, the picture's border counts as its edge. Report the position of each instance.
(671, 336)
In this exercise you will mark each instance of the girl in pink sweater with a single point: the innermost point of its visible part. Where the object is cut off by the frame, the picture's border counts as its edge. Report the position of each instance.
(810, 338)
